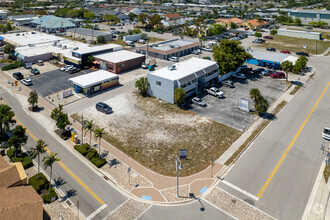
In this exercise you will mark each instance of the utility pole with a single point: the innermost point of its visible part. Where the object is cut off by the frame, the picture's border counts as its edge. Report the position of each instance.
(82, 129)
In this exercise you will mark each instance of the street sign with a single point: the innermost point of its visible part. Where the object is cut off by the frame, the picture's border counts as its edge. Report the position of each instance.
(128, 169)
(244, 104)
(84, 123)
(183, 154)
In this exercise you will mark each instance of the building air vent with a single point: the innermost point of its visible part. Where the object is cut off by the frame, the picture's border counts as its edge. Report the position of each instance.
(75, 48)
(33, 32)
(64, 47)
(171, 67)
(59, 45)
(156, 45)
(17, 34)
(172, 46)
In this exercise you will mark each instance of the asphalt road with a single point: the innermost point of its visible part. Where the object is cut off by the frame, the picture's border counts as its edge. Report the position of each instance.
(75, 175)
(286, 194)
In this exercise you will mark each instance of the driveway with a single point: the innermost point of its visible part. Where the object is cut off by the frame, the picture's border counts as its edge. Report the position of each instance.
(226, 110)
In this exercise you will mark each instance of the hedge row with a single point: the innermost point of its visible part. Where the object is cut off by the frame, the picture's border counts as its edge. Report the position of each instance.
(39, 184)
(93, 156)
(14, 65)
(21, 157)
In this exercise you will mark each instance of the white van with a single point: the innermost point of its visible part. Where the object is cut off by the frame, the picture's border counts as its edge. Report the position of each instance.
(212, 43)
(326, 133)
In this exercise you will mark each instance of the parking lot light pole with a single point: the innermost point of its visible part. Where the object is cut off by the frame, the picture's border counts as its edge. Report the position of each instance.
(177, 174)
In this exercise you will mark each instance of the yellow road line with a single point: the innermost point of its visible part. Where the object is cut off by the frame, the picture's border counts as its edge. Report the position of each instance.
(63, 165)
(291, 144)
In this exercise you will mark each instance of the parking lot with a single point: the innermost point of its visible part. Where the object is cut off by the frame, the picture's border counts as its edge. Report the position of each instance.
(52, 82)
(226, 110)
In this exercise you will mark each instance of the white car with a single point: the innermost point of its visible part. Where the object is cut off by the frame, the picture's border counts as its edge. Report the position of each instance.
(239, 76)
(70, 68)
(64, 68)
(174, 59)
(208, 49)
(27, 82)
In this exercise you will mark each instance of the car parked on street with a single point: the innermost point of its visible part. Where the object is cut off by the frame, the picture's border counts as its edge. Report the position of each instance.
(35, 71)
(302, 54)
(18, 75)
(228, 83)
(279, 75)
(102, 107)
(198, 101)
(27, 82)
(173, 59)
(285, 51)
(271, 49)
(239, 76)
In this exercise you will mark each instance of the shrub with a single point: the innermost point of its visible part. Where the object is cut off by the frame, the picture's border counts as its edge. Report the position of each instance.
(11, 152)
(92, 154)
(98, 162)
(82, 149)
(15, 65)
(39, 184)
(21, 157)
(48, 197)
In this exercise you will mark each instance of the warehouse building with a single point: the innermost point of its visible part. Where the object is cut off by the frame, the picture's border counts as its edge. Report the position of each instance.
(94, 82)
(299, 34)
(270, 59)
(120, 61)
(192, 75)
(307, 16)
(167, 49)
(88, 34)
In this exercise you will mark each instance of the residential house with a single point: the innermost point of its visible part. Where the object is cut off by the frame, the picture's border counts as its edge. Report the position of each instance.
(227, 21)
(254, 23)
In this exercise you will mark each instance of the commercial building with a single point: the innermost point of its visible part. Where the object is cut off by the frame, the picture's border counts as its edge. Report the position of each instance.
(307, 16)
(94, 82)
(22, 20)
(299, 34)
(88, 34)
(192, 75)
(51, 24)
(227, 21)
(270, 59)
(120, 61)
(167, 49)
(18, 200)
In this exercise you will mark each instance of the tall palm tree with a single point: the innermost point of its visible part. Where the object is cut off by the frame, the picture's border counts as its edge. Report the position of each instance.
(89, 127)
(39, 149)
(98, 133)
(6, 119)
(255, 94)
(48, 162)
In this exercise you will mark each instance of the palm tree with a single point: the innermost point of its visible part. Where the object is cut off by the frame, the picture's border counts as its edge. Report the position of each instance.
(98, 133)
(179, 96)
(39, 149)
(48, 162)
(143, 85)
(89, 127)
(255, 94)
(6, 119)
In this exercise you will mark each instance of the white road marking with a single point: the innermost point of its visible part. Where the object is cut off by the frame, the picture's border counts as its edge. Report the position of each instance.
(240, 190)
(97, 211)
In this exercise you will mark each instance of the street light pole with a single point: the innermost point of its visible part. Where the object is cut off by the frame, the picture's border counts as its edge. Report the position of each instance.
(177, 174)
(82, 129)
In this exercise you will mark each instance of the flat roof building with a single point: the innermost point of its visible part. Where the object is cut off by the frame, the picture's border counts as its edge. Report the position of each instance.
(167, 49)
(88, 34)
(299, 34)
(120, 61)
(307, 16)
(192, 75)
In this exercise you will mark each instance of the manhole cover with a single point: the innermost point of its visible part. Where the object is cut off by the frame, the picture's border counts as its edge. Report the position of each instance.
(233, 201)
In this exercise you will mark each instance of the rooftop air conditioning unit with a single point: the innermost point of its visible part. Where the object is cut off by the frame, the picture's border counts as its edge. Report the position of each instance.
(59, 45)
(64, 47)
(171, 67)
(172, 46)
(75, 48)
(17, 34)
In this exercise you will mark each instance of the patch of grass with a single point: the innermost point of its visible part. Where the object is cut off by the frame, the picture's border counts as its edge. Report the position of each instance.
(295, 89)
(254, 134)
(117, 41)
(155, 39)
(296, 44)
(326, 173)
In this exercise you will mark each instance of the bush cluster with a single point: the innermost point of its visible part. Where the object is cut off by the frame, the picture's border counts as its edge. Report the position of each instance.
(6, 61)
(14, 65)
(39, 184)
(48, 197)
(91, 154)
(21, 157)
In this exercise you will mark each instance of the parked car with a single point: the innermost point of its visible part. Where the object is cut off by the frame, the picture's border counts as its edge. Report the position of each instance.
(279, 75)
(239, 76)
(259, 70)
(302, 54)
(73, 70)
(174, 59)
(40, 62)
(64, 68)
(266, 72)
(326, 133)
(198, 101)
(69, 68)
(215, 92)
(268, 37)
(245, 68)
(27, 82)
(130, 43)
(27, 65)
(141, 41)
(228, 83)
(35, 71)
(198, 51)
(285, 51)
(18, 75)
(258, 41)
(208, 49)
(235, 38)
(160, 32)
(271, 49)
(102, 107)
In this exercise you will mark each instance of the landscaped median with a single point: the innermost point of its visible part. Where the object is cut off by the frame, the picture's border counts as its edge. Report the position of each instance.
(91, 154)
(41, 185)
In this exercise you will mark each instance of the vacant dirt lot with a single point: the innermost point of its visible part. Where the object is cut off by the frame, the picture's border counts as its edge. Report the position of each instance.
(152, 132)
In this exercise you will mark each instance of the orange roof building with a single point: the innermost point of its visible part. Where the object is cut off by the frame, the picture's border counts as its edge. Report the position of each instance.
(227, 21)
(172, 16)
(254, 23)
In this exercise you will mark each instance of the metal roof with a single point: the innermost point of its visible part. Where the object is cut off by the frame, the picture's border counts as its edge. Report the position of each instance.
(88, 32)
(51, 21)
(92, 78)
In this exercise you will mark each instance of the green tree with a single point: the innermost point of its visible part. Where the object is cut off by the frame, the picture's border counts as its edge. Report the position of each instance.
(142, 18)
(233, 25)
(90, 60)
(61, 12)
(300, 64)
(61, 119)
(107, 17)
(40, 148)
(8, 26)
(9, 49)
(261, 105)
(273, 32)
(137, 31)
(200, 26)
(98, 133)
(155, 21)
(18, 138)
(89, 15)
(287, 66)
(313, 23)
(6, 120)
(179, 96)
(132, 16)
(216, 29)
(297, 21)
(254, 94)
(142, 85)
(100, 39)
(258, 35)
(33, 98)
(230, 55)
(89, 127)
(49, 162)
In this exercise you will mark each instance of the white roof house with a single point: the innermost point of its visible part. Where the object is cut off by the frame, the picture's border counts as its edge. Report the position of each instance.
(119, 56)
(93, 78)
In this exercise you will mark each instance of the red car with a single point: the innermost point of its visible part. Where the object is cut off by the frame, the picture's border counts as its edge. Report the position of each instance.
(280, 75)
(285, 51)
(268, 37)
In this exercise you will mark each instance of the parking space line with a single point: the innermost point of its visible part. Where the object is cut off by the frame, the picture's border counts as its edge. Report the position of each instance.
(51, 91)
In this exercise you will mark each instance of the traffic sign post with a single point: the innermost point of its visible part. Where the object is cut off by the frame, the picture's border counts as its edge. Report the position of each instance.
(212, 164)
(129, 175)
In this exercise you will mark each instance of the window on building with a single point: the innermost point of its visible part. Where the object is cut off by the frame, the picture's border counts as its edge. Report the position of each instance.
(158, 83)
